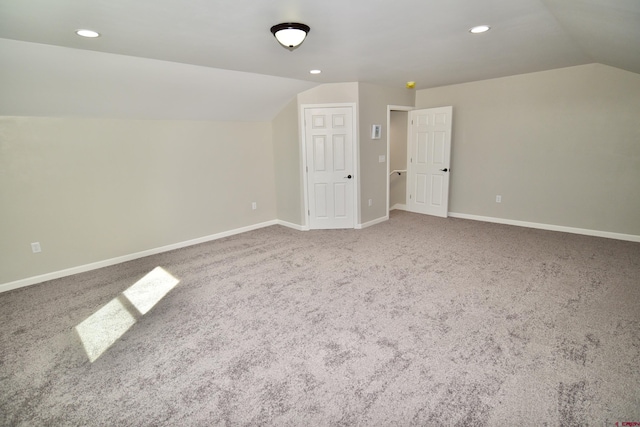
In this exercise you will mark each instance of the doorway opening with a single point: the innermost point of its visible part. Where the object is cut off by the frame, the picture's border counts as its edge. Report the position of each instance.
(397, 143)
(419, 159)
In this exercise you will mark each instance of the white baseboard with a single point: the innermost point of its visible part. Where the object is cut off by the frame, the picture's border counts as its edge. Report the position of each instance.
(399, 206)
(370, 223)
(550, 227)
(117, 260)
(292, 225)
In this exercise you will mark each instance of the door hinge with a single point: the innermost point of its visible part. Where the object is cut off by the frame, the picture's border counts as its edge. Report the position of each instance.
(307, 169)
(409, 196)
(411, 121)
(309, 213)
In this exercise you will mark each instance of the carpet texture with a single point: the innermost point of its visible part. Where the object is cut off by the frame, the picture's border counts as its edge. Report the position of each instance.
(415, 321)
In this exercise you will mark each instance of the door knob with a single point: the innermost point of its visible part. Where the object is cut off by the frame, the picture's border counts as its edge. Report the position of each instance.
(444, 170)
(348, 176)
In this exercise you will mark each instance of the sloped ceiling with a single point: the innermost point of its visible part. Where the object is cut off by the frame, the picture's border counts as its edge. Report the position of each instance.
(608, 31)
(380, 42)
(43, 80)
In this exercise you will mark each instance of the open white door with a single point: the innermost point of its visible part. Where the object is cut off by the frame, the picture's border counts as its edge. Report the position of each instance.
(330, 167)
(428, 155)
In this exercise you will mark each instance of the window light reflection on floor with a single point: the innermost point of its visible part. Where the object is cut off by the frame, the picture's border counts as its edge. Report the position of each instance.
(104, 327)
(146, 293)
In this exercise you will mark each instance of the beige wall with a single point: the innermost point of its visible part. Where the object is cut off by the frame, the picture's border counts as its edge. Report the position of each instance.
(287, 150)
(287, 165)
(372, 101)
(372, 104)
(93, 189)
(398, 157)
(561, 147)
(331, 93)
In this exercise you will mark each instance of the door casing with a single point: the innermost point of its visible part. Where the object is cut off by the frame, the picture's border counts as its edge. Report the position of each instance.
(355, 159)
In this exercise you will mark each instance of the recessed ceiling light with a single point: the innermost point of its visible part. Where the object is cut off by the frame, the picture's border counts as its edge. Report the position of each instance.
(315, 71)
(479, 29)
(87, 33)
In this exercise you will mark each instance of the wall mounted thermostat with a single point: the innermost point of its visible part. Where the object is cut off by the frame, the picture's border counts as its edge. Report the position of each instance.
(375, 131)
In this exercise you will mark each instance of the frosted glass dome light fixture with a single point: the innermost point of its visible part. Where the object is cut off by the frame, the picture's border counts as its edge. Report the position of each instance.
(290, 34)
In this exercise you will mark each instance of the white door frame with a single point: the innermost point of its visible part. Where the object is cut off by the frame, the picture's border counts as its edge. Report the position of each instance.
(391, 108)
(303, 159)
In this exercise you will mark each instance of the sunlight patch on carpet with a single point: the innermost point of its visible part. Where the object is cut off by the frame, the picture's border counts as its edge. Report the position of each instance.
(104, 327)
(146, 293)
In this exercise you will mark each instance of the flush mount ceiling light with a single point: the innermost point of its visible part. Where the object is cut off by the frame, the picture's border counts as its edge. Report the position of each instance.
(479, 29)
(315, 71)
(87, 33)
(290, 34)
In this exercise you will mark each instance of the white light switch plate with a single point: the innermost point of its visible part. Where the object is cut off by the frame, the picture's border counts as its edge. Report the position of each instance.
(382, 158)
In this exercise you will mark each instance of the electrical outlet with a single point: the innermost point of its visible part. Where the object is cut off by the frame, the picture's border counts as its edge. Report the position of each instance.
(370, 202)
(498, 199)
(254, 206)
(35, 247)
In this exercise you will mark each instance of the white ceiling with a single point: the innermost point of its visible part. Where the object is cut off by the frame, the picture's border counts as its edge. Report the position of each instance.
(384, 42)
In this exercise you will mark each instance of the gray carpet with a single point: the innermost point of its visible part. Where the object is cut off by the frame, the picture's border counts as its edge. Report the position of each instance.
(415, 321)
